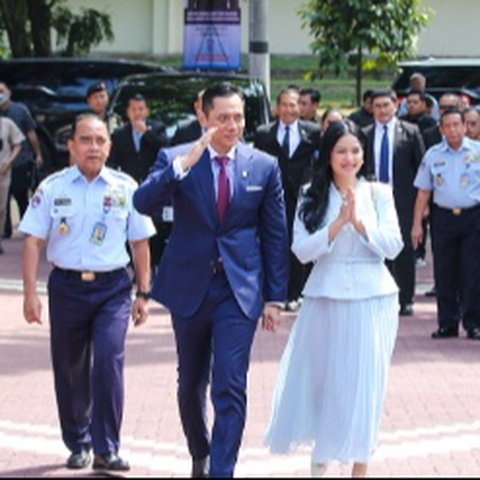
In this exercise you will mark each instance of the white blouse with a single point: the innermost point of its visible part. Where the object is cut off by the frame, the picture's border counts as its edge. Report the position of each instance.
(352, 266)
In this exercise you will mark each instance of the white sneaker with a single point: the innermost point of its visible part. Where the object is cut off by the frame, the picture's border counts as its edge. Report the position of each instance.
(318, 469)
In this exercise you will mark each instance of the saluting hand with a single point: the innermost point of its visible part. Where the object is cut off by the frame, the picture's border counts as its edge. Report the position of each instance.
(193, 155)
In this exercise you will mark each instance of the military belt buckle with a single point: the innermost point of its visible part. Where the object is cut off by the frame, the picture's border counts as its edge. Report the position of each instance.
(87, 276)
(456, 211)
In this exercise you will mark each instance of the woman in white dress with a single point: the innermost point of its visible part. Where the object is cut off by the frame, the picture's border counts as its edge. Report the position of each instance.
(333, 373)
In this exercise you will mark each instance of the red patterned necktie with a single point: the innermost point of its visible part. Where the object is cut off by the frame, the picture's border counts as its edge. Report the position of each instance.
(223, 197)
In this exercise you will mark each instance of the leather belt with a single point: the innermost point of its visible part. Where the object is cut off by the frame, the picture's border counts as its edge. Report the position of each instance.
(458, 211)
(87, 275)
(218, 266)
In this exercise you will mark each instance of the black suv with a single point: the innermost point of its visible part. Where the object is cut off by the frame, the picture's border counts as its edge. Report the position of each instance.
(170, 97)
(459, 76)
(54, 90)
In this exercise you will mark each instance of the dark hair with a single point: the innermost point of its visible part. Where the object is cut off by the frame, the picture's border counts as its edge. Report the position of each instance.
(313, 93)
(138, 97)
(96, 87)
(315, 204)
(384, 92)
(416, 91)
(451, 111)
(83, 116)
(367, 94)
(328, 111)
(289, 89)
(223, 89)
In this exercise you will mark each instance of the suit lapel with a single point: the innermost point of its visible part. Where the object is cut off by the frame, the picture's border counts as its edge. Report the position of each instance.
(204, 179)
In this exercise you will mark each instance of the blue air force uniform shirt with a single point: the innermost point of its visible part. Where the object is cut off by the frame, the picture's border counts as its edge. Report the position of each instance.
(453, 175)
(86, 224)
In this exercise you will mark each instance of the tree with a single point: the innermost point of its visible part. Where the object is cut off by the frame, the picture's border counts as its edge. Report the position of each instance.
(29, 23)
(344, 30)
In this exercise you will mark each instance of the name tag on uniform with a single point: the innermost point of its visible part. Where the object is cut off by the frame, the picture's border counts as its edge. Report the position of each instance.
(167, 214)
(98, 234)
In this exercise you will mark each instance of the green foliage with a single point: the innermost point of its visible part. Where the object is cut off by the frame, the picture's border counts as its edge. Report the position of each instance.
(344, 31)
(29, 23)
(78, 32)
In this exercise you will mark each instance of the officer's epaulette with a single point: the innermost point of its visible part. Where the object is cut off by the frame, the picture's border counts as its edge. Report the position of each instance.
(54, 176)
(122, 176)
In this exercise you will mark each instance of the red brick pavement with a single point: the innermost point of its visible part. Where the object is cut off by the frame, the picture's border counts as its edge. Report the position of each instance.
(431, 422)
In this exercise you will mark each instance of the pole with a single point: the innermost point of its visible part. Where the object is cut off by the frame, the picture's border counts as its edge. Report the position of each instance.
(259, 56)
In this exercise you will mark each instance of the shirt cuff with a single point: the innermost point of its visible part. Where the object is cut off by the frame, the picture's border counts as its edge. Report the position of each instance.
(178, 171)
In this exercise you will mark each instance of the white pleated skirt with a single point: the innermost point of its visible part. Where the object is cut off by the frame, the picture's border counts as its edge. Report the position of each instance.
(332, 378)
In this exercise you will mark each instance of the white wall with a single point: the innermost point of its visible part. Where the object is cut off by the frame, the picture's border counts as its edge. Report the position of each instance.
(156, 26)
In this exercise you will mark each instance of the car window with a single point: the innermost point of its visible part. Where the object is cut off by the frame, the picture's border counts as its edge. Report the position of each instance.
(171, 98)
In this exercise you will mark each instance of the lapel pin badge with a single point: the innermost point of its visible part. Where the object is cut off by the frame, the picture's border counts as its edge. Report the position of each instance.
(244, 174)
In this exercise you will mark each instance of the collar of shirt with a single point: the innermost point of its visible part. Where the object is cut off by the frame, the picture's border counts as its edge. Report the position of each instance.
(104, 175)
(466, 145)
(294, 134)
(213, 153)
(293, 127)
(390, 125)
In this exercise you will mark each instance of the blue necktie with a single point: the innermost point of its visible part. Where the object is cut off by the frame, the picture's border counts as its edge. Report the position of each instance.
(383, 173)
(286, 141)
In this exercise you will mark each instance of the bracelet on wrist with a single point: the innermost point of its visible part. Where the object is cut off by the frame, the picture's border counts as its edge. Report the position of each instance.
(142, 294)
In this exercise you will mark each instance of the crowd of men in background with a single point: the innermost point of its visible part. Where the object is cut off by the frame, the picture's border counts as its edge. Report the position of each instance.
(397, 135)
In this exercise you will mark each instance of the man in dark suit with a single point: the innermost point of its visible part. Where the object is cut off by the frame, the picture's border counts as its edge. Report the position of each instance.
(225, 264)
(295, 143)
(394, 151)
(190, 130)
(134, 151)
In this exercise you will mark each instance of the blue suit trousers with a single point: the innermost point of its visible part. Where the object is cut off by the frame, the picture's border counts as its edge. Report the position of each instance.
(214, 342)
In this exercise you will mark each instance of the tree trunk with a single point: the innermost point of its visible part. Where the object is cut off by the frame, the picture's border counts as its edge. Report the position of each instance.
(358, 76)
(15, 17)
(40, 20)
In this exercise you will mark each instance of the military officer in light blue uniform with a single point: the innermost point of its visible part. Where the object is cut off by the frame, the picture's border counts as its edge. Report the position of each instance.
(451, 170)
(84, 214)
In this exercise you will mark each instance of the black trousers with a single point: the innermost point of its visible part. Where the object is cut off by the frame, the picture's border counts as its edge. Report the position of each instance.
(403, 267)
(457, 266)
(19, 188)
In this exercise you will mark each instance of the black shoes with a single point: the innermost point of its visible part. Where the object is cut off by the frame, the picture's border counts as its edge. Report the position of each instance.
(79, 460)
(445, 332)
(432, 292)
(473, 333)
(110, 461)
(200, 468)
(406, 310)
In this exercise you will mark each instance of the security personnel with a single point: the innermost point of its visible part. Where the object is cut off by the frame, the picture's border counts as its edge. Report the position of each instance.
(451, 170)
(84, 214)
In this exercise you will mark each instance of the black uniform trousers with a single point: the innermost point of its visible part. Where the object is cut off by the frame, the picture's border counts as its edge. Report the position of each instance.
(456, 254)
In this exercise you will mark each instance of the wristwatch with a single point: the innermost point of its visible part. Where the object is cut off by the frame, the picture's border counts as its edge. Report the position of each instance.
(142, 294)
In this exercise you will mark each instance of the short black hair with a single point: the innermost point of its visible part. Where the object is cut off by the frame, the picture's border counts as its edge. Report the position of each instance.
(222, 89)
(451, 111)
(313, 93)
(96, 87)
(384, 92)
(83, 116)
(417, 91)
(138, 97)
(367, 94)
(289, 89)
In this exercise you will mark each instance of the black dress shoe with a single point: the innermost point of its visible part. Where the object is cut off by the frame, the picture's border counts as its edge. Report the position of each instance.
(432, 292)
(200, 468)
(406, 310)
(445, 332)
(473, 333)
(110, 461)
(79, 460)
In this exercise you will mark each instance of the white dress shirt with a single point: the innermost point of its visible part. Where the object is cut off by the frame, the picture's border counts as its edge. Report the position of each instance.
(294, 135)
(378, 145)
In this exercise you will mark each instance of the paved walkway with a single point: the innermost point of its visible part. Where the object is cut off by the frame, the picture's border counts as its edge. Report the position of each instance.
(431, 422)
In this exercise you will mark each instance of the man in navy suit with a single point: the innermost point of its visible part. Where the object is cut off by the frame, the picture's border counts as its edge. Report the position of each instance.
(224, 267)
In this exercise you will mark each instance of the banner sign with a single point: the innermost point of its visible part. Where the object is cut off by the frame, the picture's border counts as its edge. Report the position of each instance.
(211, 39)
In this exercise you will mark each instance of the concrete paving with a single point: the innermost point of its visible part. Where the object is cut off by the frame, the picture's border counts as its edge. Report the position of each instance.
(430, 426)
